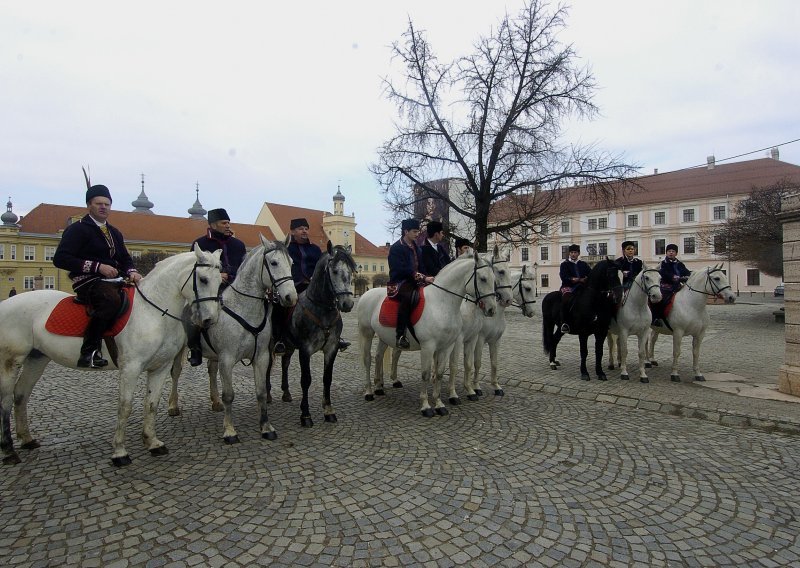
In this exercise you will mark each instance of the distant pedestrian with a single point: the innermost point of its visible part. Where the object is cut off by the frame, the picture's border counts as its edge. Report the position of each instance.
(12, 292)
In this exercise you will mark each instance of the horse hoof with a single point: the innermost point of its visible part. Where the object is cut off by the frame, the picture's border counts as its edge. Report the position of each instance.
(558, 363)
(269, 398)
(602, 378)
(230, 440)
(553, 367)
(479, 392)
(648, 366)
(499, 392)
(675, 378)
(122, 461)
(331, 418)
(217, 407)
(699, 378)
(380, 392)
(427, 413)
(397, 384)
(286, 397)
(472, 397)
(159, 451)
(306, 422)
(442, 411)
(654, 363)
(454, 401)
(273, 435)
(644, 380)
(33, 444)
(610, 366)
(369, 397)
(174, 411)
(585, 377)
(624, 377)
(11, 459)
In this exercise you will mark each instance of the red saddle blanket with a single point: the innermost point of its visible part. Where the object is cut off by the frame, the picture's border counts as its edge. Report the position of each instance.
(666, 308)
(390, 307)
(69, 318)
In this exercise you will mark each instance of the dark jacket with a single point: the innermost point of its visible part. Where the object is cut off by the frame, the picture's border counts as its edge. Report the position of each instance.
(403, 262)
(305, 257)
(83, 248)
(432, 260)
(673, 273)
(630, 268)
(233, 251)
(570, 270)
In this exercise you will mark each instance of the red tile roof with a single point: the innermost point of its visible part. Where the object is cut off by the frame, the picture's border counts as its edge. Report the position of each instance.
(48, 219)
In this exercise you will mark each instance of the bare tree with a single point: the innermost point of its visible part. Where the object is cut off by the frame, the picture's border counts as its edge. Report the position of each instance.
(753, 235)
(494, 120)
(148, 260)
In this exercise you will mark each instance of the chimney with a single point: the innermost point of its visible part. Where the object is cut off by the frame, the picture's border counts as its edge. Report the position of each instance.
(710, 161)
(775, 154)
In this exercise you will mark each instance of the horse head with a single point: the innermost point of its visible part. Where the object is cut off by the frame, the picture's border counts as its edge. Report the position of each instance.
(502, 277)
(339, 270)
(606, 277)
(277, 264)
(716, 283)
(203, 295)
(483, 285)
(649, 280)
(525, 291)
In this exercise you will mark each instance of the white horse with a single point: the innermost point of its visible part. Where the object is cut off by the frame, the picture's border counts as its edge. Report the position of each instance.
(148, 342)
(244, 331)
(634, 318)
(489, 331)
(437, 329)
(689, 316)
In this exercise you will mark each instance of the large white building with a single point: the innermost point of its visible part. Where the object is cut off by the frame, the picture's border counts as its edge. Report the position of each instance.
(672, 207)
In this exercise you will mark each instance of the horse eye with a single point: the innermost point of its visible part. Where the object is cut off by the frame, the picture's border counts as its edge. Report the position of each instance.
(203, 280)
(502, 273)
(274, 263)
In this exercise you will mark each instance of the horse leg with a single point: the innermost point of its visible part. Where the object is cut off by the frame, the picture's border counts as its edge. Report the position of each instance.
(128, 377)
(677, 337)
(439, 358)
(622, 346)
(452, 360)
(173, 408)
(266, 378)
(494, 347)
(642, 337)
(286, 396)
(155, 385)
(697, 340)
(426, 360)
(651, 349)
(612, 348)
(225, 367)
(365, 340)
(327, 379)
(305, 384)
(377, 387)
(9, 368)
(32, 370)
(599, 343)
(469, 369)
(583, 340)
(395, 360)
(213, 390)
(477, 363)
(260, 373)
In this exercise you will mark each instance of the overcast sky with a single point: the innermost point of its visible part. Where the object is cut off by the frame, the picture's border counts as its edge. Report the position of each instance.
(266, 101)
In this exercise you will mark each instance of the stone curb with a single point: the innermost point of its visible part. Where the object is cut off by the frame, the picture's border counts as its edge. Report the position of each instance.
(721, 417)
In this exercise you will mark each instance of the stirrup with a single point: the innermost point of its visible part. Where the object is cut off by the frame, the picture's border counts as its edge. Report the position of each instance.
(280, 348)
(343, 344)
(402, 342)
(564, 328)
(93, 360)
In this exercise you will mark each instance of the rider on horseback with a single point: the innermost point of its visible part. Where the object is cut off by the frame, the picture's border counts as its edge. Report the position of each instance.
(219, 236)
(405, 275)
(673, 274)
(573, 274)
(94, 253)
(434, 256)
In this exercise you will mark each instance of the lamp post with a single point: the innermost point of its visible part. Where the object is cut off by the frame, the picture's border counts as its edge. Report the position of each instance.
(536, 277)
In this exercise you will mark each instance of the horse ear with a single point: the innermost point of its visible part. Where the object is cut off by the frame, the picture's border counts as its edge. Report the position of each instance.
(524, 269)
(262, 239)
(330, 247)
(496, 251)
(288, 239)
(475, 256)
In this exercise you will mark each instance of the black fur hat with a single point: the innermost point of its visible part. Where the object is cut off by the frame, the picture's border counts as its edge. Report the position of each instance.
(574, 248)
(218, 215)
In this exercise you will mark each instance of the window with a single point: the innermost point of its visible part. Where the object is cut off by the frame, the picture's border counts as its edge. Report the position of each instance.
(543, 228)
(374, 268)
(592, 225)
(564, 252)
(49, 282)
(49, 253)
(688, 215)
(545, 281)
(719, 212)
(660, 218)
(753, 277)
(689, 245)
(524, 253)
(544, 253)
(29, 252)
(13, 252)
(2, 252)
(602, 223)
(565, 226)
(382, 268)
(661, 247)
(633, 220)
(136, 254)
(591, 249)
(602, 249)
(28, 283)
(720, 244)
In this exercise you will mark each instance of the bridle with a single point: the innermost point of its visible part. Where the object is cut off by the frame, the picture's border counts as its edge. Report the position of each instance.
(197, 298)
(496, 287)
(474, 278)
(276, 282)
(639, 281)
(329, 284)
(518, 284)
(715, 291)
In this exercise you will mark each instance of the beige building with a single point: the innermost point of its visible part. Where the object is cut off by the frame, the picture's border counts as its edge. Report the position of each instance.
(672, 207)
(336, 226)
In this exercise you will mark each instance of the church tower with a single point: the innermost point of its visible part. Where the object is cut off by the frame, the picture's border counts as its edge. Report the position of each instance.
(340, 228)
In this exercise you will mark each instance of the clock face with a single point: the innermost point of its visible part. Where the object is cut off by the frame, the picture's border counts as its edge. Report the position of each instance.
(346, 233)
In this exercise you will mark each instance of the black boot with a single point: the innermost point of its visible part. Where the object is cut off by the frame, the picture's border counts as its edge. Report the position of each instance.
(195, 357)
(343, 344)
(92, 360)
(402, 342)
(193, 342)
(280, 348)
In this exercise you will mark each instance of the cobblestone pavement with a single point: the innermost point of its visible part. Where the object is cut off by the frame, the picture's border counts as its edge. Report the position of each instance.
(558, 472)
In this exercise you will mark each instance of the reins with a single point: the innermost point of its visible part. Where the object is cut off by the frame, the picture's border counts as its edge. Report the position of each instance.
(639, 281)
(474, 279)
(196, 300)
(521, 294)
(715, 291)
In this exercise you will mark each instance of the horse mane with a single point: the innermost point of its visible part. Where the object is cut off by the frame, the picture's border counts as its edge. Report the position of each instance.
(167, 263)
(341, 252)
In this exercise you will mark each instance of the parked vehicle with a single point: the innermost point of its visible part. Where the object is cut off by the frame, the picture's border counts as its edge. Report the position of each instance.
(778, 290)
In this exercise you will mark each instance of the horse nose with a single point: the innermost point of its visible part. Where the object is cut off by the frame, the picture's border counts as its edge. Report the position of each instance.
(208, 322)
(346, 305)
(289, 300)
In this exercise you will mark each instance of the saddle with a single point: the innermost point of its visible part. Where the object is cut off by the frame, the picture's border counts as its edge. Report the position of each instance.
(390, 307)
(70, 318)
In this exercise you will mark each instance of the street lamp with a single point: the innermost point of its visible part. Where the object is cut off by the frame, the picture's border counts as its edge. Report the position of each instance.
(536, 277)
